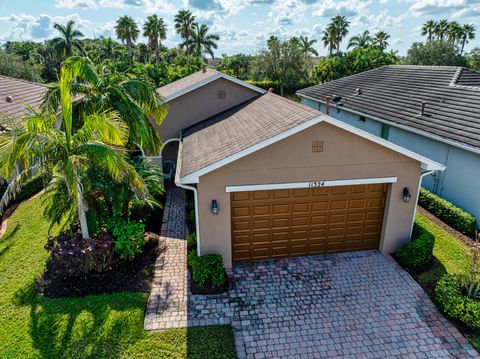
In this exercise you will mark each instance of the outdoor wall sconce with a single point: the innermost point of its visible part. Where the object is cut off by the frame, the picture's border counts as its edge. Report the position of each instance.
(406, 195)
(214, 208)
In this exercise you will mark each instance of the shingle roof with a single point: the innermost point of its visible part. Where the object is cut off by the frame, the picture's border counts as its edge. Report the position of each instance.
(239, 128)
(23, 93)
(186, 82)
(394, 93)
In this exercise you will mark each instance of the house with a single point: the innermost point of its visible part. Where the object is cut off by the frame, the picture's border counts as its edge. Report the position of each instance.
(274, 178)
(16, 96)
(433, 111)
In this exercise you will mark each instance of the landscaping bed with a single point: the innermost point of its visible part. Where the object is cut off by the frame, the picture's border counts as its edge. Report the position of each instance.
(124, 276)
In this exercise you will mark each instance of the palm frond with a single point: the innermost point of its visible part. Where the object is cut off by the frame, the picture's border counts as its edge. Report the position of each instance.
(105, 126)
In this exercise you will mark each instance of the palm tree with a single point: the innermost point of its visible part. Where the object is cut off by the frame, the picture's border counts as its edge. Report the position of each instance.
(467, 33)
(79, 144)
(184, 21)
(429, 29)
(441, 29)
(307, 46)
(68, 40)
(329, 39)
(201, 42)
(454, 31)
(127, 31)
(98, 87)
(109, 49)
(381, 39)
(340, 26)
(155, 29)
(362, 40)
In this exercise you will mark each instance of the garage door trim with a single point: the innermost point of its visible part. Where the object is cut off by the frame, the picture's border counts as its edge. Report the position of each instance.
(310, 184)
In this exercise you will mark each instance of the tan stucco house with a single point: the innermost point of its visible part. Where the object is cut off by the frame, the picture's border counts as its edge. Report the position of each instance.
(273, 178)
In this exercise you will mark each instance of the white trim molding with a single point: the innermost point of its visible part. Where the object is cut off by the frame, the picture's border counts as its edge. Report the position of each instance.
(212, 78)
(426, 163)
(310, 184)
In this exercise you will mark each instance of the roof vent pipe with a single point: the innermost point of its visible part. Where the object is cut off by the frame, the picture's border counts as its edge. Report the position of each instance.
(358, 91)
(204, 68)
(327, 108)
(422, 111)
(9, 98)
(270, 89)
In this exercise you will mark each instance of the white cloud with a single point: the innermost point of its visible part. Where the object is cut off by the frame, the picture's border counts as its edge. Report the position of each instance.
(470, 12)
(436, 7)
(376, 22)
(71, 4)
(330, 8)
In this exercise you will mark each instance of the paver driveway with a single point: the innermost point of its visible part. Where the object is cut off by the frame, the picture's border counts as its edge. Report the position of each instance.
(344, 305)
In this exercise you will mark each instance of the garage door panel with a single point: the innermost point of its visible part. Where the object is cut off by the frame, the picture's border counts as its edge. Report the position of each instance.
(282, 223)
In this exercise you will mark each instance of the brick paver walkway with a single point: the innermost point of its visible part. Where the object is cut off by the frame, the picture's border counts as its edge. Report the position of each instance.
(353, 305)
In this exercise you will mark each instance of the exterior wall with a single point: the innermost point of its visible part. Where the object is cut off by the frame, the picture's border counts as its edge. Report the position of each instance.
(345, 156)
(200, 104)
(458, 183)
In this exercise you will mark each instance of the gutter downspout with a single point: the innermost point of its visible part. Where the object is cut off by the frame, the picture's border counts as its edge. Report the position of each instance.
(179, 183)
(423, 174)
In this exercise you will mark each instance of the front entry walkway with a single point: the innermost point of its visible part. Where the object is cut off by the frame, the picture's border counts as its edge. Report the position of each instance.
(350, 305)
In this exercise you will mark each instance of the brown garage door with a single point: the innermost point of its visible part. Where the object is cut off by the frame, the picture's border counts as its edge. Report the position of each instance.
(307, 221)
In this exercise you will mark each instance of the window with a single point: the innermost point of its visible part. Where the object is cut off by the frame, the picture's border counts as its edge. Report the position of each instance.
(221, 95)
(362, 119)
(317, 146)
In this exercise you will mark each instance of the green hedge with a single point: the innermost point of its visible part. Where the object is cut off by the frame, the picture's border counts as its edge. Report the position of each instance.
(207, 269)
(287, 90)
(29, 189)
(455, 217)
(449, 296)
(418, 253)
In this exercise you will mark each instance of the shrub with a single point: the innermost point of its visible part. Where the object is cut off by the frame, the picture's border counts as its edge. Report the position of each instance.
(192, 240)
(75, 254)
(207, 269)
(288, 89)
(449, 295)
(455, 217)
(419, 252)
(129, 237)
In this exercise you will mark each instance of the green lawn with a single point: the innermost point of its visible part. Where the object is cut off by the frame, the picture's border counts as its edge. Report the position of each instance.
(103, 326)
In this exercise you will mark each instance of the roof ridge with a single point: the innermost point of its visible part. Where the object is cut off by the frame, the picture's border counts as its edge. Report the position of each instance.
(456, 78)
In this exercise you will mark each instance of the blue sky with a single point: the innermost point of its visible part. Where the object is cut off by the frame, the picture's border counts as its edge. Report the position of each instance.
(244, 25)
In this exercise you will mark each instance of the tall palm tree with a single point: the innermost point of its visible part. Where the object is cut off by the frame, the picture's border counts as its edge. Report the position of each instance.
(454, 31)
(79, 144)
(127, 30)
(184, 21)
(307, 46)
(428, 29)
(201, 42)
(329, 39)
(98, 87)
(440, 30)
(68, 40)
(155, 29)
(380, 39)
(467, 33)
(362, 40)
(340, 26)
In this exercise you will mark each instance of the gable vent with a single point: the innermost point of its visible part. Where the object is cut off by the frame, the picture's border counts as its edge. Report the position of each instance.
(317, 146)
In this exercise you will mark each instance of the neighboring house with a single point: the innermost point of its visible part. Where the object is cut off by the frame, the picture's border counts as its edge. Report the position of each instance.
(273, 178)
(16, 96)
(434, 111)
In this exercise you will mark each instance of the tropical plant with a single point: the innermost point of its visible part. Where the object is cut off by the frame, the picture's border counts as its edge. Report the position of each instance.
(236, 65)
(380, 39)
(340, 28)
(454, 31)
(434, 53)
(329, 39)
(155, 30)
(474, 59)
(80, 143)
(184, 21)
(467, 33)
(68, 40)
(134, 100)
(307, 46)
(142, 53)
(12, 65)
(362, 40)
(441, 28)
(428, 29)
(109, 49)
(127, 30)
(201, 42)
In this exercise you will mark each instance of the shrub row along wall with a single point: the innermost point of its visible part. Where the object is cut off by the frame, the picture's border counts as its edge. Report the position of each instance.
(455, 217)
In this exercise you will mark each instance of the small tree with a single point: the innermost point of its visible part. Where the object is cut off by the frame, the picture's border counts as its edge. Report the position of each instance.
(435, 53)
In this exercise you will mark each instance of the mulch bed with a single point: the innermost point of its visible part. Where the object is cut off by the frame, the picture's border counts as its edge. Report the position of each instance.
(125, 276)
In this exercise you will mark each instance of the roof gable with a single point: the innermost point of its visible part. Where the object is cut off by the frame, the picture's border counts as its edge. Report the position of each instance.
(394, 94)
(196, 80)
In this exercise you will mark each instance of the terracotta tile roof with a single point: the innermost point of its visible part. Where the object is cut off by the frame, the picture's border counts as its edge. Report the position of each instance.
(239, 128)
(23, 94)
(186, 82)
(395, 93)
